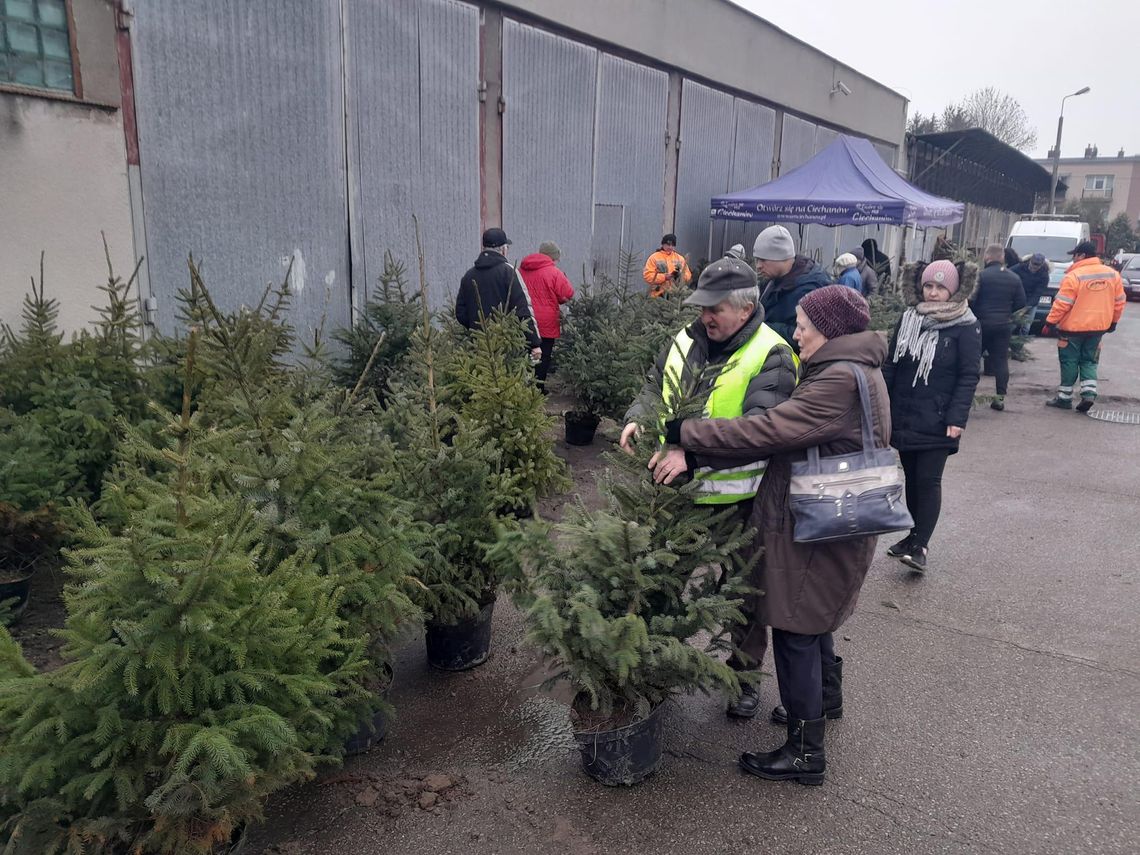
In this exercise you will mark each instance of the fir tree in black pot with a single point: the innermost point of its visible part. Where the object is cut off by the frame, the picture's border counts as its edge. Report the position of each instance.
(613, 599)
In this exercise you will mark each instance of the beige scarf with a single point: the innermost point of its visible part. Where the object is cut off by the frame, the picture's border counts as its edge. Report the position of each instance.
(919, 329)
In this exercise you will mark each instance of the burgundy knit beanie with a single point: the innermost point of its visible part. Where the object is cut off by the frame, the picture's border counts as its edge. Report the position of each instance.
(836, 310)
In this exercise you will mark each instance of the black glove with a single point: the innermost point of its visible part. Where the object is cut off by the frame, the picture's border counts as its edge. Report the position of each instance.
(1112, 328)
(673, 431)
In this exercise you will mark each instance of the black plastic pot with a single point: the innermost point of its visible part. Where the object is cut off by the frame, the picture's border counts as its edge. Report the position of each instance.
(463, 645)
(18, 590)
(372, 729)
(580, 428)
(626, 755)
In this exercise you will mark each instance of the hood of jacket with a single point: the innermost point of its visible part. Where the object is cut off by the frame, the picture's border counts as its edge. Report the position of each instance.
(912, 277)
(535, 261)
(489, 258)
(866, 348)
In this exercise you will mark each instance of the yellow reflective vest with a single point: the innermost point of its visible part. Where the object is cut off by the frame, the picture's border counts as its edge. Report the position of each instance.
(726, 401)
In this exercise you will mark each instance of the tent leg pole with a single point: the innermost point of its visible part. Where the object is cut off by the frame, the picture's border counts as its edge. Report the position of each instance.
(708, 257)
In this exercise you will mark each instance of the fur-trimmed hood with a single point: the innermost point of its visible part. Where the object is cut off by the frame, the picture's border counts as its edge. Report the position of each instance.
(912, 282)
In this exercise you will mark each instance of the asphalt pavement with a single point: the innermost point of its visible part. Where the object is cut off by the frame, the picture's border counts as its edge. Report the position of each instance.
(991, 706)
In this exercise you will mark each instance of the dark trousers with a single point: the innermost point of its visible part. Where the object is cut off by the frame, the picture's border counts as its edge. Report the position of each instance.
(800, 660)
(995, 341)
(543, 367)
(923, 471)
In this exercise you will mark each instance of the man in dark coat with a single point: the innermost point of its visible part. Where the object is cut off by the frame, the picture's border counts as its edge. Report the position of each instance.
(729, 338)
(1034, 275)
(866, 272)
(1000, 294)
(492, 284)
(790, 277)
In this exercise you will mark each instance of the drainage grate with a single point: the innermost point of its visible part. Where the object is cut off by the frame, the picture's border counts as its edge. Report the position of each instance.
(1120, 417)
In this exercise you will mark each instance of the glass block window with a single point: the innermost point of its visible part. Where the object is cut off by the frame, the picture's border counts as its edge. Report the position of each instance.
(35, 48)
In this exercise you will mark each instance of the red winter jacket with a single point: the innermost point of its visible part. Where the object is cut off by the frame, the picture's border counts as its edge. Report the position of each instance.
(548, 288)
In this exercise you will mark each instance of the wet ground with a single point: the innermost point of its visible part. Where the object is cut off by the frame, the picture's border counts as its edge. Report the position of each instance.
(991, 706)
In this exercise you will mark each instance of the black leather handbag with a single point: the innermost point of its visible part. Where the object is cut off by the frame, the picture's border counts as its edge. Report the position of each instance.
(849, 495)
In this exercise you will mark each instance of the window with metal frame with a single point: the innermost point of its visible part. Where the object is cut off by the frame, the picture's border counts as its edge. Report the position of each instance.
(35, 45)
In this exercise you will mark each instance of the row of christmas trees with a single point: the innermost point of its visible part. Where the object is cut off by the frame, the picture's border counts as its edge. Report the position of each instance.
(250, 529)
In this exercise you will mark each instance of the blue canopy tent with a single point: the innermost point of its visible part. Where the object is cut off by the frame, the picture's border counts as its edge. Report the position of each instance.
(846, 183)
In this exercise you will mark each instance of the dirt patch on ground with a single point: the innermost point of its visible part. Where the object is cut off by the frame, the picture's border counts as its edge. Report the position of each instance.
(35, 628)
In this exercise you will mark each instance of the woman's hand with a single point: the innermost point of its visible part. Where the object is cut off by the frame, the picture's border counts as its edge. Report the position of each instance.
(953, 431)
(667, 465)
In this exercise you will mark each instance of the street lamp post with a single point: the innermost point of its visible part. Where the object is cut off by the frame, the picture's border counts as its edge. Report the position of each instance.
(1057, 151)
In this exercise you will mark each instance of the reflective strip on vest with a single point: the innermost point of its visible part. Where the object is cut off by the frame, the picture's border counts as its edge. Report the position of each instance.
(725, 401)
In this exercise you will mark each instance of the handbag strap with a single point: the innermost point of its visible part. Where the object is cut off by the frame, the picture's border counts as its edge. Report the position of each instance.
(868, 429)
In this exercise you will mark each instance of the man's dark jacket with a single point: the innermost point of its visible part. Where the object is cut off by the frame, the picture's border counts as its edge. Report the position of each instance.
(1000, 294)
(1035, 284)
(781, 296)
(492, 284)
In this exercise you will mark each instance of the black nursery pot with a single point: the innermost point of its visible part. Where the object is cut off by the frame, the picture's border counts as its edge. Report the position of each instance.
(580, 428)
(624, 756)
(463, 645)
(372, 729)
(18, 590)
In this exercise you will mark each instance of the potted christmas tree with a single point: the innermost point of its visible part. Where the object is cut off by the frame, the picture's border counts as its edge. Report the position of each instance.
(201, 674)
(614, 597)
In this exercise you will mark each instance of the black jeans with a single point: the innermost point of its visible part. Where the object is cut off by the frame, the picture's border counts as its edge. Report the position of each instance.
(543, 367)
(923, 471)
(995, 341)
(800, 660)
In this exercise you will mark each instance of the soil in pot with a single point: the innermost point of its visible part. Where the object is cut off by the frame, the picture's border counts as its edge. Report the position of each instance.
(580, 428)
(463, 645)
(622, 755)
(375, 727)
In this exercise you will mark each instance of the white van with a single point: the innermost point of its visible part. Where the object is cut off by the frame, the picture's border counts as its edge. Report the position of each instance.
(1052, 235)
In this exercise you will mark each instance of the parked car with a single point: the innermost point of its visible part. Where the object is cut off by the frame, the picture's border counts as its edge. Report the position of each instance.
(1130, 273)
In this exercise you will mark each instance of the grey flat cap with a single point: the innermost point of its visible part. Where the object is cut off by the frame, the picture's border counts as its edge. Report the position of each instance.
(723, 275)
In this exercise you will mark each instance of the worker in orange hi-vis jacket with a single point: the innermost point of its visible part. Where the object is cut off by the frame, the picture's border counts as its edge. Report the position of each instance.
(1088, 305)
(665, 268)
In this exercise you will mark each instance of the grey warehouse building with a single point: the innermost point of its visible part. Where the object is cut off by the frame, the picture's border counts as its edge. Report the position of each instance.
(308, 132)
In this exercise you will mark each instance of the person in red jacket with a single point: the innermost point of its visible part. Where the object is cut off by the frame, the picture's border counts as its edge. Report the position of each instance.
(548, 288)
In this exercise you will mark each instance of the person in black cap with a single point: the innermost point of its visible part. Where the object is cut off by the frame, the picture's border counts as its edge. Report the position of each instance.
(492, 284)
(1088, 305)
(666, 268)
(1034, 274)
(743, 367)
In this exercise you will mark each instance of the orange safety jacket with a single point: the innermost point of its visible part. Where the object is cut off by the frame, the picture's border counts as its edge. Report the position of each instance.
(660, 281)
(1090, 300)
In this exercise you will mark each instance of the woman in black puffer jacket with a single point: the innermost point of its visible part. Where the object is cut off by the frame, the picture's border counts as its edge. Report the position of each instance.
(931, 371)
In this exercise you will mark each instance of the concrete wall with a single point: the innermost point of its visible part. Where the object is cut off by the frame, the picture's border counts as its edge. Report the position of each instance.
(63, 179)
(751, 56)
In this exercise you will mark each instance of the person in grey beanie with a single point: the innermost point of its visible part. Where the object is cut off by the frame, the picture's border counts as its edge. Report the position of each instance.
(790, 277)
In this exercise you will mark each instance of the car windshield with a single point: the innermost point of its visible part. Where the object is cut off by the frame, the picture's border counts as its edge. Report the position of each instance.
(1133, 263)
(1052, 247)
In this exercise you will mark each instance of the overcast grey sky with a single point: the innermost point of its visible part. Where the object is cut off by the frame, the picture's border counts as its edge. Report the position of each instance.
(1035, 50)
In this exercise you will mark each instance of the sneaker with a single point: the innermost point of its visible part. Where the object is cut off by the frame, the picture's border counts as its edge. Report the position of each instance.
(998, 403)
(1059, 403)
(901, 548)
(1085, 405)
(916, 560)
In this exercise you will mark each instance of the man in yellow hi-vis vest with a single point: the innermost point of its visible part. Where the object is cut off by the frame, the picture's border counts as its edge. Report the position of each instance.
(749, 368)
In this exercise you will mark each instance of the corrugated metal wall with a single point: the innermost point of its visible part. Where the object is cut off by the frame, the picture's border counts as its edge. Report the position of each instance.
(413, 75)
(550, 87)
(753, 147)
(241, 138)
(629, 159)
(708, 129)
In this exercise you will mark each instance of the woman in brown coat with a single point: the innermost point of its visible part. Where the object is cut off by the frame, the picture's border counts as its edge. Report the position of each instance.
(809, 589)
